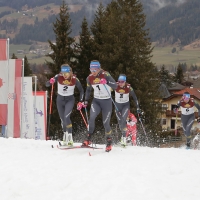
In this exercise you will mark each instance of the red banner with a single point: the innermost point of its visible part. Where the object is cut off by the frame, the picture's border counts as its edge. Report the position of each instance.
(3, 81)
(3, 49)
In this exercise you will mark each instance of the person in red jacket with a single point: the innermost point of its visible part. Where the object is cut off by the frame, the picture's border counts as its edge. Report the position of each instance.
(131, 132)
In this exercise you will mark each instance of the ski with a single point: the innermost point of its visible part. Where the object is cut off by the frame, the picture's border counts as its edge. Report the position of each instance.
(77, 147)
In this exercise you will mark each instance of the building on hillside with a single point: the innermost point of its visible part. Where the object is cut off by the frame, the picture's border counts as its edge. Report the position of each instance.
(176, 87)
(168, 120)
(194, 75)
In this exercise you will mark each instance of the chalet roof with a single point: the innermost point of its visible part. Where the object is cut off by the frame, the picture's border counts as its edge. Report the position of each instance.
(176, 86)
(164, 91)
(194, 92)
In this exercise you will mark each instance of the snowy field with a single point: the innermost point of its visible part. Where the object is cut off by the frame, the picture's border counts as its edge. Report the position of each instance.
(32, 170)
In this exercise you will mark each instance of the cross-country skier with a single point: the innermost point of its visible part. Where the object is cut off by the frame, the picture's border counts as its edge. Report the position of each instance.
(122, 102)
(101, 82)
(187, 105)
(131, 132)
(66, 81)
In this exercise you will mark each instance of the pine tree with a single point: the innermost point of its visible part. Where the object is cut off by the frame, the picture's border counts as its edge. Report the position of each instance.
(179, 77)
(165, 77)
(126, 48)
(27, 69)
(84, 53)
(97, 29)
(62, 52)
(14, 56)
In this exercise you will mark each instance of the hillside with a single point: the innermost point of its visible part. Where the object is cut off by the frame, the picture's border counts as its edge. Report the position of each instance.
(168, 21)
(172, 23)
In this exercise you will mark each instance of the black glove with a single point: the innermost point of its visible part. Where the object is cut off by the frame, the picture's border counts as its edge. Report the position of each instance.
(129, 120)
(198, 120)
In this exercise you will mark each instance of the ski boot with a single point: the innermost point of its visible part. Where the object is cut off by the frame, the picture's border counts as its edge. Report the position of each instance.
(188, 145)
(87, 142)
(65, 139)
(129, 138)
(70, 140)
(123, 141)
(109, 144)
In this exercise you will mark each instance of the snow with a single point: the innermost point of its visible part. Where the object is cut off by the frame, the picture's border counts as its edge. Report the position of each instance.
(32, 170)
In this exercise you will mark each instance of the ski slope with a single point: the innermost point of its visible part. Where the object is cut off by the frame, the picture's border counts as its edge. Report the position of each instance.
(32, 170)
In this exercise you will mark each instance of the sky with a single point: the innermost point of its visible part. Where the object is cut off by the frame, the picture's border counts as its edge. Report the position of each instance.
(32, 170)
(163, 3)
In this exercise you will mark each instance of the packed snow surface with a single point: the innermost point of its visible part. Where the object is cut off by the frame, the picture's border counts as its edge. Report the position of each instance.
(32, 170)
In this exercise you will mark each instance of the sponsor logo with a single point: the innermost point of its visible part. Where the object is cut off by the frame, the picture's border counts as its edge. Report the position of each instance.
(39, 112)
(121, 91)
(107, 73)
(68, 114)
(96, 80)
(187, 105)
(107, 117)
(112, 83)
(92, 107)
(66, 82)
(125, 112)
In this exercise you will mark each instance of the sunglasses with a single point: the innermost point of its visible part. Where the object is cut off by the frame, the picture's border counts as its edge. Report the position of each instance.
(65, 73)
(121, 81)
(93, 70)
(186, 96)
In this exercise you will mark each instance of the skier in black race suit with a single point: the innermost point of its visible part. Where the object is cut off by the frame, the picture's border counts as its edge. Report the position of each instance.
(66, 81)
(187, 105)
(101, 82)
(122, 93)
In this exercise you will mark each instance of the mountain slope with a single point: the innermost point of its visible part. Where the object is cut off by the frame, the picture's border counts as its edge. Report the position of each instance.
(169, 21)
(176, 23)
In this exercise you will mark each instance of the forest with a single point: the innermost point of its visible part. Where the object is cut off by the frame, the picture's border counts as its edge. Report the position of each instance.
(167, 25)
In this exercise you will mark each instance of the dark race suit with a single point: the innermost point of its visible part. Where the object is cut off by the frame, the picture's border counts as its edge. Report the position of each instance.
(65, 98)
(101, 101)
(123, 105)
(187, 116)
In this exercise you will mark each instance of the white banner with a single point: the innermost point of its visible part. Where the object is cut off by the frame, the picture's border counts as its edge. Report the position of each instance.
(27, 110)
(41, 115)
(14, 97)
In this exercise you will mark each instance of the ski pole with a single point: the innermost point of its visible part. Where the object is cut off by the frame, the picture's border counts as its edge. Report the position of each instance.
(143, 128)
(114, 103)
(50, 110)
(86, 114)
(84, 119)
(176, 127)
(112, 99)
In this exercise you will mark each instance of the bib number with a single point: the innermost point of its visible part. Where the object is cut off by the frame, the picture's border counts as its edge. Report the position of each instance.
(98, 87)
(65, 88)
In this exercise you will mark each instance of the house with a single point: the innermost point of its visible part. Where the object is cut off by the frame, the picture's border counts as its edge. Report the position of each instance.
(169, 120)
(176, 87)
